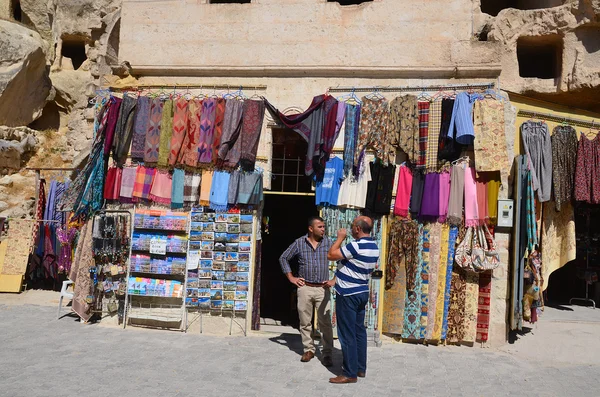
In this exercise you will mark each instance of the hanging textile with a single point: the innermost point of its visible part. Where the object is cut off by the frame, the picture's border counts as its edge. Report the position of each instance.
(404, 122)
(448, 148)
(441, 283)
(219, 121)
(351, 138)
(537, 145)
(456, 309)
(49, 260)
(143, 183)
(453, 235)
(207, 130)
(426, 256)
(416, 197)
(179, 131)
(483, 308)
(110, 183)
(457, 194)
(471, 307)
(66, 237)
(191, 188)
(587, 174)
(482, 202)
(254, 113)
(18, 246)
(205, 187)
(188, 155)
(461, 124)
(564, 162)
(430, 207)
(162, 184)
(444, 196)
(140, 127)
(153, 133)
(249, 189)
(310, 124)
(373, 130)
(353, 192)
(166, 132)
(490, 141)
(339, 120)
(40, 210)
(412, 309)
(493, 188)
(471, 209)
(124, 130)
(423, 133)
(229, 150)
(177, 187)
(558, 245)
(111, 123)
(403, 192)
(379, 189)
(435, 240)
(433, 135)
(80, 273)
(232, 192)
(127, 183)
(328, 189)
(218, 191)
(530, 214)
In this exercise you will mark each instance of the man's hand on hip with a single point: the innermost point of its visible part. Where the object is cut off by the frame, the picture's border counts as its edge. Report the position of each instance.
(297, 281)
(329, 283)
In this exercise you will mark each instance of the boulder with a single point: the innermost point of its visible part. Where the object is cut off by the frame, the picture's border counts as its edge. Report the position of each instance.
(70, 86)
(39, 15)
(24, 81)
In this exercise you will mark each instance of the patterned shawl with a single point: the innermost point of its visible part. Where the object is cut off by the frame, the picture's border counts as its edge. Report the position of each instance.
(423, 133)
(161, 188)
(180, 123)
(191, 188)
(153, 133)
(433, 135)
(127, 183)
(166, 132)
(374, 130)
(229, 149)
(450, 262)
(207, 130)
(143, 182)
(124, 131)
(350, 138)
(111, 123)
(189, 152)
(140, 127)
(232, 192)
(219, 119)
(254, 113)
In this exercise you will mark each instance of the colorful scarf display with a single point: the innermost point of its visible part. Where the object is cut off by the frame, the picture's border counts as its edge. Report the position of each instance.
(229, 150)
(128, 182)
(423, 133)
(140, 127)
(166, 132)
(403, 192)
(124, 130)
(207, 130)
(254, 113)
(180, 124)
(219, 121)
(111, 123)
(153, 134)
(161, 188)
(143, 182)
(189, 152)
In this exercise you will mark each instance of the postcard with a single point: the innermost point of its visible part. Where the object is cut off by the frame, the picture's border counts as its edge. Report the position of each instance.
(245, 247)
(245, 237)
(218, 265)
(221, 218)
(216, 294)
(231, 266)
(233, 228)
(191, 302)
(233, 237)
(208, 236)
(218, 275)
(216, 284)
(204, 273)
(228, 305)
(196, 226)
(229, 295)
(232, 247)
(241, 276)
(192, 292)
(243, 266)
(206, 264)
(233, 218)
(219, 256)
(206, 254)
(220, 227)
(196, 217)
(195, 245)
(230, 276)
(193, 282)
(240, 295)
(203, 283)
(216, 305)
(204, 292)
(221, 237)
(220, 246)
(208, 227)
(229, 286)
(208, 245)
(195, 236)
(244, 256)
(246, 218)
(231, 256)
(204, 303)
(207, 217)
(240, 305)
(241, 286)
(246, 228)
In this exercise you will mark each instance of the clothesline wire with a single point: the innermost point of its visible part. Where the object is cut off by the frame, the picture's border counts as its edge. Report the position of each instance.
(257, 87)
(558, 119)
(478, 86)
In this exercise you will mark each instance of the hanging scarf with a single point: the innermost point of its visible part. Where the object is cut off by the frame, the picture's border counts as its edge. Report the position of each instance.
(457, 194)
(111, 124)
(80, 272)
(430, 206)
(180, 123)
(341, 115)
(254, 113)
(489, 146)
(140, 127)
(39, 214)
(433, 135)
(247, 188)
(483, 306)
(205, 187)
(153, 133)
(110, 183)
(234, 182)
(124, 131)
(257, 194)
(143, 183)
(350, 137)
(416, 193)
(493, 187)
(48, 204)
(423, 133)
(448, 148)
(482, 203)
(441, 283)
(166, 132)
(471, 210)
(218, 191)
(435, 241)
(403, 192)
(177, 188)
(189, 152)
(65, 237)
(444, 196)
(191, 188)
(127, 183)
(207, 130)
(404, 123)
(49, 262)
(532, 240)
(232, 125)
(161, 188)
(450, 262)
(219, 121)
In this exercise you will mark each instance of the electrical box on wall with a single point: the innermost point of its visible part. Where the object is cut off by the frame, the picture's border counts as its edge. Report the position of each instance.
(505, 213)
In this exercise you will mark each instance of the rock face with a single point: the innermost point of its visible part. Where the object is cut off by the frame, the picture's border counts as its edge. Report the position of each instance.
(24, 82)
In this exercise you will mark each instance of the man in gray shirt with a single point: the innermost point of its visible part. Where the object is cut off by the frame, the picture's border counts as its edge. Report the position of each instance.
(313, 286)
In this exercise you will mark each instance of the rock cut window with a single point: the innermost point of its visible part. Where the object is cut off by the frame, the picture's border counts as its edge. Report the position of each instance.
(540, 56)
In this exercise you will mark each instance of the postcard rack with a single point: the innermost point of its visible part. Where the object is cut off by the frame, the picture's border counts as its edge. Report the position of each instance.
(156, 276)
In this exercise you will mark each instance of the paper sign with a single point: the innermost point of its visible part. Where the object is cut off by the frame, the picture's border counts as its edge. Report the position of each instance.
(158, 246)
(193, 257)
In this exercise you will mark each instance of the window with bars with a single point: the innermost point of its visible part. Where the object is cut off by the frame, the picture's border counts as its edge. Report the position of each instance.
(289, 154)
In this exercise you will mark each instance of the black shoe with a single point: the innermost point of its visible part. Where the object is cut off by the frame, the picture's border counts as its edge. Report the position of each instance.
(327, 361)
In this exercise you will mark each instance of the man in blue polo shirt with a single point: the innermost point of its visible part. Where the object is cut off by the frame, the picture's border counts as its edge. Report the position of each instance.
(357, 260)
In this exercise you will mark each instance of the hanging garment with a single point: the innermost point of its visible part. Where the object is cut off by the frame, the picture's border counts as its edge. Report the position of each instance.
(110, 183)
(117, 186)
(531, 223)
(456, 309)
(218, 191)
(412, 310)
(207, 130)
(444, 196)
(559, 245)
(44, 209)
(111, 123)
(471, 208)
(416, 198)
(180, 124)
(18, 246)
(448, 148)
(124, 130)
(219, 121)
(153, 133)
(373, 130)
(339, 121)
(254, 113)
(351, 138)
(143, 183)
(483, 307)
(404, 125)
(457, 194)
(587, 174)
(177, 188)
(482, 202)
(435, 237)
(461, 124)
(232, 192)
(205, 187)
(166, 133)
(127, 183)
(490, 140)
(564, 161)
(425, 278)
(441, 283)
(229, 150)
(66, 236)
(328, 188)
(537, 145)
(191, 188)
(379, 189)
(249, 191)
(353, 192)
(433, 135)
(162, 184)
(49, 261)
(310, 124)
(330, 129)
(140, 127)
(403, 192)
(80, 272)
(471, 307)
(493, 188)
(423, 133)
(430, 206)
(449, 274)
(188, 155)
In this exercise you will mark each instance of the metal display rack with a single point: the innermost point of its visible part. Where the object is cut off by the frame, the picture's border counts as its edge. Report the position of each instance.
(153, 310)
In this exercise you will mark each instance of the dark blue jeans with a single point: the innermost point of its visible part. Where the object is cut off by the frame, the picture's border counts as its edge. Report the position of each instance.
(350, 315)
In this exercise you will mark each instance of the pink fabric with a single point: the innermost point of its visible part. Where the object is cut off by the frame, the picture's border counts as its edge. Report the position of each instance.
(403, 192)
(471, 211)
(161, 188)
(444, 195)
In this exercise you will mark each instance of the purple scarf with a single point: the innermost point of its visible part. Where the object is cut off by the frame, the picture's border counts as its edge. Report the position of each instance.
(430, 207)
(140, 127)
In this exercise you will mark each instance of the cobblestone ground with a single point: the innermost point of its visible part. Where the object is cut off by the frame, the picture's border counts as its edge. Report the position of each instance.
(42, 356)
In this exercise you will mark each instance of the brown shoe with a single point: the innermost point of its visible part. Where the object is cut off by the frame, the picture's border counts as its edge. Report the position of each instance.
(361, 374)
(342, 379)
(307, 356)
(327, 361)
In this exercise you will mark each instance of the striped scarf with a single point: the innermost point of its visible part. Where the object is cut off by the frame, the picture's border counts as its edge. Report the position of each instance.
(143, 183)
(207, 130)
(351, 137)
(423, 133)
(433, 135)
(153, 133)
(180, 123)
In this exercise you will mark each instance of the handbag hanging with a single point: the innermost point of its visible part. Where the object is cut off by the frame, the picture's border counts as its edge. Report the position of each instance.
(477, 252)
(462, 255)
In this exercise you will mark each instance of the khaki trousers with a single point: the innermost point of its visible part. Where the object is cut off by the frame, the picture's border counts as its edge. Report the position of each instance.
(308, 299)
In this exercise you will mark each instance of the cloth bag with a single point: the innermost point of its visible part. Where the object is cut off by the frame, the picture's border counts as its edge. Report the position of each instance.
(477, 252)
